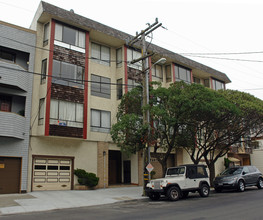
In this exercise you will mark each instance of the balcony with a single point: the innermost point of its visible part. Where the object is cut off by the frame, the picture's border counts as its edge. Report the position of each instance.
(12, 125)
(239, 149)
(14, 75)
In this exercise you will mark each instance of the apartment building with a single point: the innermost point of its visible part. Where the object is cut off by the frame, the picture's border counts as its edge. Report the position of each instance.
(17, 54)
(84, 71)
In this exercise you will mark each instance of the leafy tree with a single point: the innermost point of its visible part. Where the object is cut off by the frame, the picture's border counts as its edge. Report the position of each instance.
(216, 121)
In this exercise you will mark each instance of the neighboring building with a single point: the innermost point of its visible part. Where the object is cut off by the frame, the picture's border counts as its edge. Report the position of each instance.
(256, 157)
(17, 54)
(84, 73)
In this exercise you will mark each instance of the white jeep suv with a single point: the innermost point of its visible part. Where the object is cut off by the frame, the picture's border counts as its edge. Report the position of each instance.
(179, 181)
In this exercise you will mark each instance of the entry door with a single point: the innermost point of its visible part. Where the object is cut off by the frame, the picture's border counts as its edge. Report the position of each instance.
(10, 175)
(127, 171)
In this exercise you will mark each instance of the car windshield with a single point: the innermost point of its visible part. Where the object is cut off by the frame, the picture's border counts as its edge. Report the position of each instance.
(175, 171)
(233, 171)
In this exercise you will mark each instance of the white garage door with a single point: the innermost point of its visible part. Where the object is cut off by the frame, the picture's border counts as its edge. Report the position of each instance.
(52, 174)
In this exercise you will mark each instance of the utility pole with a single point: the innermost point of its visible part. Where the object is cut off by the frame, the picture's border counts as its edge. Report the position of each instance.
(145, 70)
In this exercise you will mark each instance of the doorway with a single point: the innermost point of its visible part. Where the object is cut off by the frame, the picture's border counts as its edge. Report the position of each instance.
(114, 167)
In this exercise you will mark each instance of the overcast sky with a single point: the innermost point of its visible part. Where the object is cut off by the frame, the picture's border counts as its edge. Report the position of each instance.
(226, 35)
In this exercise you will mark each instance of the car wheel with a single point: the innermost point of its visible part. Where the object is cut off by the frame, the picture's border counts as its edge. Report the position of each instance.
(154, 196)
(204, 190)
(218, 190)
(241, 186)
(173, 193)
(260, 183)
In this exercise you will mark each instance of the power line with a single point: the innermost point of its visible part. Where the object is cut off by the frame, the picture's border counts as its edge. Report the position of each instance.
(78, 81)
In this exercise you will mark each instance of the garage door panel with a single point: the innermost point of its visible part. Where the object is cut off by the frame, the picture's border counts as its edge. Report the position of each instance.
(56, 173)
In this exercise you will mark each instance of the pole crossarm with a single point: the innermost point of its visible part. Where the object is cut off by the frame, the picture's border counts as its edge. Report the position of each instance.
(136, 38)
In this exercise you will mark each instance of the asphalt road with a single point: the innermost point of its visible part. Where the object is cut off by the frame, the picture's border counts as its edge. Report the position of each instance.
(227, 205)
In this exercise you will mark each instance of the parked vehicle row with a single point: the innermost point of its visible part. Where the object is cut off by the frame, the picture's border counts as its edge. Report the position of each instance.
(180, 181)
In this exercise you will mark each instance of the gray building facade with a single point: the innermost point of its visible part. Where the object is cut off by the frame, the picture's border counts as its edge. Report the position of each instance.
(17, 54)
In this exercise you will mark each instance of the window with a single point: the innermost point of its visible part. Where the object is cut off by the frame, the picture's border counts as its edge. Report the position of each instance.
(206, 83)
(100, 121)
(132, 54)
(217, 85)
(5, 55)
(46, 34)
(65, 113)
(100, 54)
(69, 35)
(100, 86)
(43, 71)
(132, 84)
(119, 57)
(168, 73)
(157, 72)
(67, 74)
(5, 103)
(182, 74)
(119, 89)
(197, 80)
(41, 112)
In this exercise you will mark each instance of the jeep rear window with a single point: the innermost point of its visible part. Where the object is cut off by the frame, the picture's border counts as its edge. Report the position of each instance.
(175, 171)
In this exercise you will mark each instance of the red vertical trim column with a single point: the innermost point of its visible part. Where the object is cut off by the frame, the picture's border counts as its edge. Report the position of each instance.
(86, 78)
(211, 82)
(192, 77)
(125, 70)
(173, 72)
(49, 80)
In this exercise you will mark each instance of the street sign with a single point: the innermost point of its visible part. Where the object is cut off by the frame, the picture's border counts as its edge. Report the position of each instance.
(149, 167)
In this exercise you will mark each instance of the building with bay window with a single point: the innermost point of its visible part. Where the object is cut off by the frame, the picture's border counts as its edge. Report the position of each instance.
(17, 54)
(85, 69)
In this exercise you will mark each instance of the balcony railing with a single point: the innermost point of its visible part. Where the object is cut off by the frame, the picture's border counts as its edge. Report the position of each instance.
(12, 125)
(240, 149)
(14, 75)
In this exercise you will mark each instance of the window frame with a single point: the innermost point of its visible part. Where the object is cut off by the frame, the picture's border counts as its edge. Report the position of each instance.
(46, 34)
(72, 82)
(178, 73)
(119, 89)
(118, 57)
(99, 128)
(41, 111)
(13, 56)
(43, 71)
(99, 84)
(61, 36)
(65, 122)
(99, 59)
(214, 83)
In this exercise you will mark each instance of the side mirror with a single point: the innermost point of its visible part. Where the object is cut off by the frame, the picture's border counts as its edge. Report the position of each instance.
(244, 173)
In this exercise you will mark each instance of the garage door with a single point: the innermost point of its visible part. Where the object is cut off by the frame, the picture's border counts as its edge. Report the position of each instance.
(10, 171)
(52, 174)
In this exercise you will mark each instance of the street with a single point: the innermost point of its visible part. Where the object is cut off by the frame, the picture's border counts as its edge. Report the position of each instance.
(226, 205)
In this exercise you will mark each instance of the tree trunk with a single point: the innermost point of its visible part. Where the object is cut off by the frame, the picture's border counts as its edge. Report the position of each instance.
(211, 167)
(164, 167)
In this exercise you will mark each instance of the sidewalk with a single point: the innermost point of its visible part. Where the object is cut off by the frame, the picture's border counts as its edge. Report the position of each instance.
(50, 200)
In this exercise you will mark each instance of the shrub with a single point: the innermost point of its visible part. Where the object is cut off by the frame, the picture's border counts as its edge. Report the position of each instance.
(85, 178)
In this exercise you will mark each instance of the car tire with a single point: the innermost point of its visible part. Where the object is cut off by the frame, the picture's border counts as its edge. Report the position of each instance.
(260, 183)
(173, 193)
(241, 186)
(218, 190)
(204, 190)
(154, 196)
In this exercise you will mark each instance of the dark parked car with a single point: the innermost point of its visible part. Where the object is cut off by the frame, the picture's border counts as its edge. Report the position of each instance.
(238, 178)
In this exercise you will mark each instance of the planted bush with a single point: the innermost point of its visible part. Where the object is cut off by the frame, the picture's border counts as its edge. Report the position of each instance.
(85, 178)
